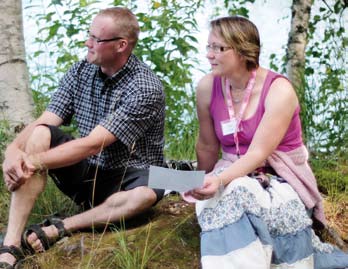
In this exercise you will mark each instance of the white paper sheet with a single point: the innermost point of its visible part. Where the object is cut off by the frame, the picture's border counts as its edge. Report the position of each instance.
(175, 180)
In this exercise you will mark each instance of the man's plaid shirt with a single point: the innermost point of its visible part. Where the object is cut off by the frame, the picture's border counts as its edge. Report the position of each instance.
(130, 105)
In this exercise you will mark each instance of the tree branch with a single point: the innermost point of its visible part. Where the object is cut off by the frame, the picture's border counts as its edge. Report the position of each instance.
(327, 5)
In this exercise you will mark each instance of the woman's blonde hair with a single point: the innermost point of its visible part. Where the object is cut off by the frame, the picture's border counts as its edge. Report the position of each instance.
(125, 23)
(240, 34)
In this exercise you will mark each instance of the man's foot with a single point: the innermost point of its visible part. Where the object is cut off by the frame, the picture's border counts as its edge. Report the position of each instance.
(8, 259)
(36, 243)
(10, 256)
(40, 237)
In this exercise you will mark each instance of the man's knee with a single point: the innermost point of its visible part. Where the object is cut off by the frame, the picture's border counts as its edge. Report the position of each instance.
(141, 198)
(145, 194)
(136, 200)
(39, 140)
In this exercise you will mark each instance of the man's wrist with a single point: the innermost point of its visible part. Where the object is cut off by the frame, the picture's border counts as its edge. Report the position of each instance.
(37, 162)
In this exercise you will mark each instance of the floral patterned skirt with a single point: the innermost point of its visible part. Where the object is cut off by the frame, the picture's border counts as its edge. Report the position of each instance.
(250, 226)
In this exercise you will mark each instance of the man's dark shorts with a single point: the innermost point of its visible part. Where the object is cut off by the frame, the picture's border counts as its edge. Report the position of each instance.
(89, 185)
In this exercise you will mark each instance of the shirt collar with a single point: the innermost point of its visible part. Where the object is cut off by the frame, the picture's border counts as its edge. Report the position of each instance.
(130, 65)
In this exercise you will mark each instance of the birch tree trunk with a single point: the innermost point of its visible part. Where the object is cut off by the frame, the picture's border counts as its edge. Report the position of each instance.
(297, 42)
(16, 104)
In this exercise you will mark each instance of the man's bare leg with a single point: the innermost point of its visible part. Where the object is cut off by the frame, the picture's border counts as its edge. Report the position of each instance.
(120, 205)
(23, 199)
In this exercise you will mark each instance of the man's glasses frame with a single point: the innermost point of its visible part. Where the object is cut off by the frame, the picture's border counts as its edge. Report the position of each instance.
(98, 40)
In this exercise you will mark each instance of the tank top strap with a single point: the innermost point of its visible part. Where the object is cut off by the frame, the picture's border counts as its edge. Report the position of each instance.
(271, 76)
(217, 87)
(217, 96)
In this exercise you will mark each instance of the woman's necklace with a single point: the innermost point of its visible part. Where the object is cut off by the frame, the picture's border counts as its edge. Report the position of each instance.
(237, 95)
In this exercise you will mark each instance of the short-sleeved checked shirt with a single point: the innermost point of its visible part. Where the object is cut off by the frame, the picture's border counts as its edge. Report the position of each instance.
(130, 105)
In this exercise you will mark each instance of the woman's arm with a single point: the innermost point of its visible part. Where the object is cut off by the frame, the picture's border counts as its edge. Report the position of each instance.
(207, 147)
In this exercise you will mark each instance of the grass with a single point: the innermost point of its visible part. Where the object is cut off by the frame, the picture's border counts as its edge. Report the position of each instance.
(182, 148)
(336, 209)
(331, 173)
(5, 137)
(52, 202)
(159, 239)
(5, 204)
(134, 251)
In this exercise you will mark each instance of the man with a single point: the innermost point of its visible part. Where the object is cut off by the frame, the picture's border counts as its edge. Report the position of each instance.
(118, 104)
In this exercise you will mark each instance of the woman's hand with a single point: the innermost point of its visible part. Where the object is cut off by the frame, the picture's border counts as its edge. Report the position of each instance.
(210, 187)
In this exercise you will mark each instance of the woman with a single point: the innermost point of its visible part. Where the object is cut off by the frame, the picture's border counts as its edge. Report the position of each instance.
(255, 202)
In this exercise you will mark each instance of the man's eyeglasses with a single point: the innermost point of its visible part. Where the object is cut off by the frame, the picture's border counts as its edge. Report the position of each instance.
(216, 48)
(98, 40)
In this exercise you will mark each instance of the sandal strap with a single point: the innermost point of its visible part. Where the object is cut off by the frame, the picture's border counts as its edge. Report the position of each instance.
(14, 251)
(6, 265)
(58, 223)
(41, 235)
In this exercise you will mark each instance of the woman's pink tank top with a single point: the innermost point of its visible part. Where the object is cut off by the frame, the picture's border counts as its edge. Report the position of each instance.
(219, 112)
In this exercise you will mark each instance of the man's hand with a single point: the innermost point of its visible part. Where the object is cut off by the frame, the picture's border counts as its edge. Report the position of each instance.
(14, 175)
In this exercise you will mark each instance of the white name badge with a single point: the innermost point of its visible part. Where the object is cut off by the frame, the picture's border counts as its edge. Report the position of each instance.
(229, 126)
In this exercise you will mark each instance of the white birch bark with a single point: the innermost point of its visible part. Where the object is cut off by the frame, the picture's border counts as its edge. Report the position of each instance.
(16, 104)
(297, 42)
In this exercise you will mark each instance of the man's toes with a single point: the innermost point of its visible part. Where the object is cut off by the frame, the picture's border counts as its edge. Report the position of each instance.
(37, 246)
(6, 257)
(32, 238)
(51, 233)
(35, 243)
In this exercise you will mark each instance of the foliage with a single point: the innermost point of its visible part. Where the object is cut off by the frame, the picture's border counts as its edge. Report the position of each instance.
(6, 135)
(166, 45)
(324, 106)
(238, 7)
(331, 172)
(183, 146)
(327, 61)
(59, 41)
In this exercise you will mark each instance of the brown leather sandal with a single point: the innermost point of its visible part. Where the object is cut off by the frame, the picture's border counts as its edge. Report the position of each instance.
(15, 252)
(45, 241)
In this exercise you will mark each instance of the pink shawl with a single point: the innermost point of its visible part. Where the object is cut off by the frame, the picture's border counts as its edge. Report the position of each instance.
(293, 167)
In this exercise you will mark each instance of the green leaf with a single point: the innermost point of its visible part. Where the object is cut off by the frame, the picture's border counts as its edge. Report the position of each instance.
(56, 2)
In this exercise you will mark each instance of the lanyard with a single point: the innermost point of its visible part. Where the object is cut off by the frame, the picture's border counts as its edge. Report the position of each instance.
(230, 108)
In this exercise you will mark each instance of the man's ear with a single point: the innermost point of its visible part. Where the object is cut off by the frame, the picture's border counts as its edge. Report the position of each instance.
(122, 45)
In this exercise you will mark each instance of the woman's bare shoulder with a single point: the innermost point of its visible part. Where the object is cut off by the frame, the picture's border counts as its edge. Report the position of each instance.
(204, 90)
(283, 89)
(205, 83)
